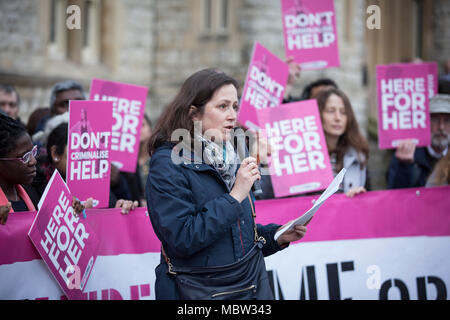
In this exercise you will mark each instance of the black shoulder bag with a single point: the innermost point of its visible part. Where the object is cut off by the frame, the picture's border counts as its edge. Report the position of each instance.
(245, 279)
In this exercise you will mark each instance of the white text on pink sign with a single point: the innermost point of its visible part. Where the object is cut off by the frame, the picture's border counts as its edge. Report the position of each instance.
(310, 30)
(299, 137)
(65, 235)
(126, 115)
(403, 103)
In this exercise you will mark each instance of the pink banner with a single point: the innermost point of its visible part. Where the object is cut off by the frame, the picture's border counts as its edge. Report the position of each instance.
(67, 244)
(399, 215)
(129, 107)
(300, 161)
(88, 150)
(403, 103)
(339, 218)
(310, 33)
(376, 214)
(264, 86)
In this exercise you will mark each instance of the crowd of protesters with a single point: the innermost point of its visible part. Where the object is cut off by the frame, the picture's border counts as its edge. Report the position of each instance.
(30, 152)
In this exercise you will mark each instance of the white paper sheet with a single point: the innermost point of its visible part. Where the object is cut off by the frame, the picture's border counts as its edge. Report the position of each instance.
(332, 188)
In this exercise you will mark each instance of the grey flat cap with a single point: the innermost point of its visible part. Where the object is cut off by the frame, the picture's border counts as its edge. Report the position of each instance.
(440, 103)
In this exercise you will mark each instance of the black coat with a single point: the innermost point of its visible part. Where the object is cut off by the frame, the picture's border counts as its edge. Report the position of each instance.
(195, 218)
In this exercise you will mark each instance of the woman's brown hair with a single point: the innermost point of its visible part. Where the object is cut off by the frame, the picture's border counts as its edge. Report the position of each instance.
(196, 91)
(352, 136)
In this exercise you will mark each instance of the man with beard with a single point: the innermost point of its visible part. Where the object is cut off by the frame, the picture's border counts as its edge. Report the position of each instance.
(411, 166)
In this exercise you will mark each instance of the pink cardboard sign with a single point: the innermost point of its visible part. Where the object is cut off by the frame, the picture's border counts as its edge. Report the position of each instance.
(403, 92)
(88, 150)
(264, 86)
(65, 242)
(129, 107)
(299, 161)
(310, 33)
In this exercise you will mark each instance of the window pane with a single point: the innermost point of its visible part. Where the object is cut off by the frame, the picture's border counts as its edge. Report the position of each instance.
(53, 21)
(224, 15)
(208, 12)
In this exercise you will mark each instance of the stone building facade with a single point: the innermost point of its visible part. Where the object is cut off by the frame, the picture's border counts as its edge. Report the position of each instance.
(158, 43)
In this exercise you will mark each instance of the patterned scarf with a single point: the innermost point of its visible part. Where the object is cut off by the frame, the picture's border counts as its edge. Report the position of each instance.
(222, 157)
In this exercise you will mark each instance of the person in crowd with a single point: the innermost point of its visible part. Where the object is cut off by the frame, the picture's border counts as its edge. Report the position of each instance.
(410, 167)
(35, 117)
(10, 101)
(56, 158)
(17, 168)
(346, 145)
(441, 173)
(136, 181)
(61, 93)
(200, 206)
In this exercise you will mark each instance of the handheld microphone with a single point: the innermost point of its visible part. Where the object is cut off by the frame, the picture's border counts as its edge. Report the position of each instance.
(242, 151)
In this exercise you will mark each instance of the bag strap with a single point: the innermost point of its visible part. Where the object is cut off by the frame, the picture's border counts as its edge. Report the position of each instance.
(257, 238)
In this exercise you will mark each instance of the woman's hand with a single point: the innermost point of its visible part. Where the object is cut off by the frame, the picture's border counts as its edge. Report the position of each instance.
(261, 148)
(294, 74)
(247, 174)
(294, 70)
(354, 191)
(4, 212)
(126, 205)
(77, 206)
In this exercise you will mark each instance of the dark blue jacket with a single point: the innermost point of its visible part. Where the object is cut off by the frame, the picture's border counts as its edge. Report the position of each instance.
(195, 218)
(409, 175)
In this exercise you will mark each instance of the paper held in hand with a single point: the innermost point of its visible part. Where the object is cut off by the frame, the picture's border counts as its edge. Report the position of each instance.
(332, 188)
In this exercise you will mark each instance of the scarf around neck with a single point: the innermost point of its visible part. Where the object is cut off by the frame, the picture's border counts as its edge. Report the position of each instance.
(222, 157)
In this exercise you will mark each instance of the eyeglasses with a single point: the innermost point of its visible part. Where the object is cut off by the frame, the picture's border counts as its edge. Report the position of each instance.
(26, 157)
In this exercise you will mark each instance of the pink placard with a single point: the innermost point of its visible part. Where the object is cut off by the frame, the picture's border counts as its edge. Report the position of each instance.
(129, 107)
(264, 86)
(88, 150)
(432, 78)
(66, 243)
(300, 161)
(310, 33)
(403, 92)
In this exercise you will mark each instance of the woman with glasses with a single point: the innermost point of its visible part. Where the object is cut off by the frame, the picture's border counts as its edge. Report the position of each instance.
(17, 168)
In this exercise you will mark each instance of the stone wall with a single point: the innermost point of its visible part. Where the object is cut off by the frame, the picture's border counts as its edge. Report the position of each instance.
(441, 32)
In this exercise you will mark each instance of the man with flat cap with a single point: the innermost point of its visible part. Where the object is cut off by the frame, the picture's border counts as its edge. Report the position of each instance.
(411, 166)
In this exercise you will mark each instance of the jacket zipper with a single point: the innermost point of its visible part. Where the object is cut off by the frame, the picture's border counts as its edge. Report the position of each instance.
(234, 291)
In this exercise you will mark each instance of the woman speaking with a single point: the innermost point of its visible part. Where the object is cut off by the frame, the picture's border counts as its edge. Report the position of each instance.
(200, 202)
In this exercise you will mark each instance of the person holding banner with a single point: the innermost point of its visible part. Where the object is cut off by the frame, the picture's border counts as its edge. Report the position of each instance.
(346, 145)
(198, 197)
(410, 167)
(17, 168)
